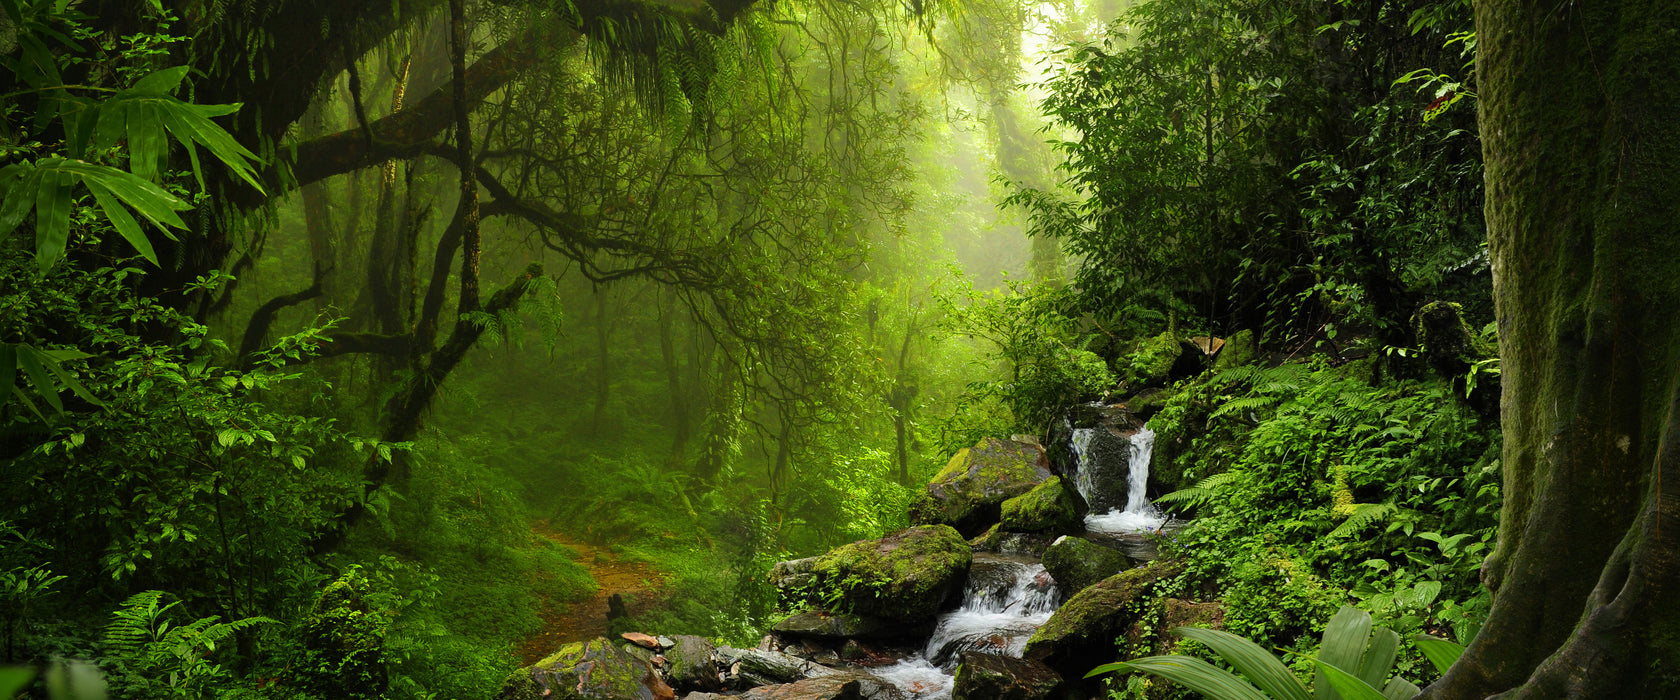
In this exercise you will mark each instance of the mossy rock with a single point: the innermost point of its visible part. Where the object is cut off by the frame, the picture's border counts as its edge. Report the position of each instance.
(836, 626)
(1049, 507)
(969, 493)
(1152, 362)
(1239, 350)
(691, 666)
(596, 669)
(905, 576)
(1081, 634)
(1078, 563)
(984, 676)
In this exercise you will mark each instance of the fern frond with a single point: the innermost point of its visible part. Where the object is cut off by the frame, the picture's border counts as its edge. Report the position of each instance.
(131, 626)
(1244, 404)
(1364, 515)
(1202, 493)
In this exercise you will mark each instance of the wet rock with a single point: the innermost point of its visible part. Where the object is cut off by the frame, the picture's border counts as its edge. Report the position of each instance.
(689, 664)
(1048, 508)
(795, 579)
(992, 677)
(903, 577)
(1176, 613)
(1239, 350)
(1151, 361)
(838, 686)
(750, 668)
(1077, 563)
(996, 541)
(593, 669)
(1080, 635)
(827, 625)
(645, 641)
(1107, 471)
(969, 493)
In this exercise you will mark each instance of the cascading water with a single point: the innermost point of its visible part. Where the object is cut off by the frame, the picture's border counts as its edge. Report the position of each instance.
(1139, 514)
(1005, 601)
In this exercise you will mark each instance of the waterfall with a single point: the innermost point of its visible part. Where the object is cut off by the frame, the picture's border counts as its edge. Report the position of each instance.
(1082, 481)
(1005, 600)
(1139, 514)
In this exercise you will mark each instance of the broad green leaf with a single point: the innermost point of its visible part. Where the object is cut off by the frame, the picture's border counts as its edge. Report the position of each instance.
(148, 199)
(1256, 664)
(1379, 658)
(1440, 652)
(69, 380)
(8, 372)
(1190, 672)
(17, 185)
(162, 82)
(148, 148)
(190, 126)
(52, 216)
(1400, 689)
(1344, 644)
(43, 385)
(1344, 684)
(120, 220)
(13, 679)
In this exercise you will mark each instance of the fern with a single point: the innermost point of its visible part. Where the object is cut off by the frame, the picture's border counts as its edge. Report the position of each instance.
(156, 659)
(1364, 515)
(1202, 493)
(1244, 405)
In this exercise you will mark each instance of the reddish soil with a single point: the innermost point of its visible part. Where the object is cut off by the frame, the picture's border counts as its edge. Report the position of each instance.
(641, 585)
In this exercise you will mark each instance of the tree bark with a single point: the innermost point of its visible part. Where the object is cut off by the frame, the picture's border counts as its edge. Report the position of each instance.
(1580, 140)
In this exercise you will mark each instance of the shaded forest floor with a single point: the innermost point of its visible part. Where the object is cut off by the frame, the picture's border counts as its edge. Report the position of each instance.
(640, 583)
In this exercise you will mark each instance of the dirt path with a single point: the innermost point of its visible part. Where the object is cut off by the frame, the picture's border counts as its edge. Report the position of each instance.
(587, 619)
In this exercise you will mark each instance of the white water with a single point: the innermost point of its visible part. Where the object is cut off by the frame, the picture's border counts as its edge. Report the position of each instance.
(1139, 514)
(999, 612)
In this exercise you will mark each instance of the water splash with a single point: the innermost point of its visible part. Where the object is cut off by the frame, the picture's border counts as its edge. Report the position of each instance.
(1139, 515)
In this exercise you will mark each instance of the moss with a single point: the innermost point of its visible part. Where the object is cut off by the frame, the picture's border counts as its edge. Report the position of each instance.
(1082, 633)
(904, 576)
(1049, 507)
(1239, 350)
(969, 492)
(1153, 360)
(1078, 563)
(592, 669)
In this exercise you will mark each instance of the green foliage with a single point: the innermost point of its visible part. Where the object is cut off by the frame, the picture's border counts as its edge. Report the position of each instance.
(1353, 662)
(152, 658)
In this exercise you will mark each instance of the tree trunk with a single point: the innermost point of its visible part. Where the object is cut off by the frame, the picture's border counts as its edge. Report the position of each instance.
(673, 374)
(1580, 140)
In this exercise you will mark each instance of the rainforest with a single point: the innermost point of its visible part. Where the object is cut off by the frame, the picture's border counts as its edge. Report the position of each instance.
(839, 349)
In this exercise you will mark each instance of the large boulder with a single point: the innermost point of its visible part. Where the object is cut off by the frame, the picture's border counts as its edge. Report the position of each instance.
(1080, 635)
(1239, 350)
(795, 580)
(1077, 563)
(821, 624)
(969, 493)
(596, 669)
(1151, 361)
(905, 576)
(1049, 508)
(838, 685)
(984, 676)
(690, 665)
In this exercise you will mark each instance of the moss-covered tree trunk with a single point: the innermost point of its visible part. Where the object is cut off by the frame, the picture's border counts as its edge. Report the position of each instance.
(1581, 134)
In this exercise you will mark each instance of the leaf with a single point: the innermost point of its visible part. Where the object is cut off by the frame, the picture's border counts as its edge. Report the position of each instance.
(1192, 673)
(164, 81)
(1256, 664)
(122, 221)
(1344, 643)
(1379, 658)
(13, 679)
(1400, 689)
(52, 217)
(38, 375)
(69, 381)
(1440, 652)
(16, 182)
(1334, 682)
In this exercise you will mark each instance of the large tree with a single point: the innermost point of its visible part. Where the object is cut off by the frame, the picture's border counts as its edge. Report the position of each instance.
(1581, 142)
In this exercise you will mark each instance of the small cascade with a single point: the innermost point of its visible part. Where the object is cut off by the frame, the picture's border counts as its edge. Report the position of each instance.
(1005, 601)
(1139, 514)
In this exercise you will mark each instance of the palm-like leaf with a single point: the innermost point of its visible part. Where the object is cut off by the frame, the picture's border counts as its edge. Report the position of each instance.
(1251, 660)
(49, 183)
(1192, 673)
(1440, 652)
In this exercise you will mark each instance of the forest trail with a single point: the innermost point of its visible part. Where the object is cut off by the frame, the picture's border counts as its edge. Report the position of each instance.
(640, 583)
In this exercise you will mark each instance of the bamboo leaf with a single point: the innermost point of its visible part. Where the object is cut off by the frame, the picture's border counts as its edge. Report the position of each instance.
(32, 367)
(121, 220)
(17, 183)
(163, 82)
(53, 365)
(147, 147)
(1192, 673)
(1400, 689)
(52, 216)
(1256, 664)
